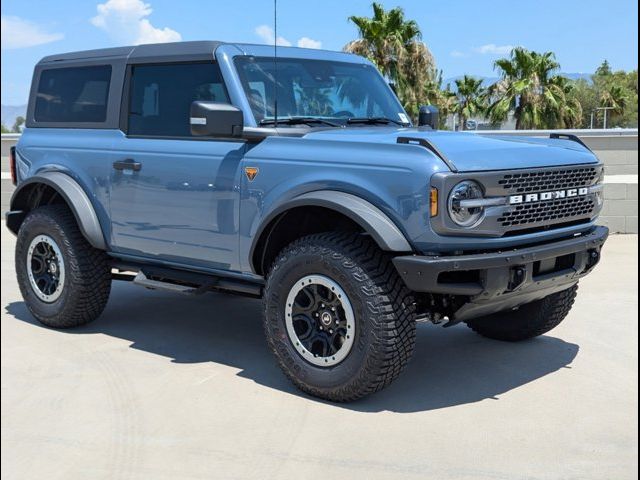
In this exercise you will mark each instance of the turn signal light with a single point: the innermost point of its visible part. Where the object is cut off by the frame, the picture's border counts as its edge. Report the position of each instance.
(434, 201)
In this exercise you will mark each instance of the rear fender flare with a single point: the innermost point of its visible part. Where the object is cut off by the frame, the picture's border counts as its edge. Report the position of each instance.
(75, 197)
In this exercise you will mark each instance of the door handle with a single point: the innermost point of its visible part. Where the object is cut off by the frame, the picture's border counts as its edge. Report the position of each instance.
(127, 164)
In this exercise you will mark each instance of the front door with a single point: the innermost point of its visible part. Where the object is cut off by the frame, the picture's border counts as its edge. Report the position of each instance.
(174, 197)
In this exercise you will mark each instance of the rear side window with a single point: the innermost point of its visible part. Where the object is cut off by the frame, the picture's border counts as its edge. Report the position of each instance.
(161, 96)
(73, 95)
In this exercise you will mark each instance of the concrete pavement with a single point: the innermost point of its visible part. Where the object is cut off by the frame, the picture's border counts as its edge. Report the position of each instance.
(164, 387)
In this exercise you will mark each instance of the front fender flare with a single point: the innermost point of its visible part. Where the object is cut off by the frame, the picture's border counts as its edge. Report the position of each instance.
(372, 220)
(73, 194)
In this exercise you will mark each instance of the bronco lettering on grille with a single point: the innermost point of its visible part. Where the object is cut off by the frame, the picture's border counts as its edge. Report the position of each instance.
(546, 196)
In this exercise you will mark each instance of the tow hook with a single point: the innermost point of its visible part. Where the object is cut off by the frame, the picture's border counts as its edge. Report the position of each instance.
(594, 258)
(517, 276)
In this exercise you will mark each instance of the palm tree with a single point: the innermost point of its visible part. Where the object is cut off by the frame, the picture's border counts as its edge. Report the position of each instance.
(443, 98)
(564, 107)
(469, 98)
(525, 78)
(615, 97)
(394, 45)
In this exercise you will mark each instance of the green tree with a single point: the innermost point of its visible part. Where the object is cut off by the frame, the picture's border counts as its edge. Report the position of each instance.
(629, 118)
(18, 124)
(470, 99)
(564, 109)
(615, 97)
(524, 88)
(585, 94)
(616, 90)
(604, 70)
(394, 45)
(443, 98)
(4, 129)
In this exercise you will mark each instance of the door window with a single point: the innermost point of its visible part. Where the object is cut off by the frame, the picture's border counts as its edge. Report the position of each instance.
(161, 96)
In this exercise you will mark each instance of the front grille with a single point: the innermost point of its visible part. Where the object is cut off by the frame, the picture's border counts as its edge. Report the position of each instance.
(552, 211)
(549, 180)
(535, 200)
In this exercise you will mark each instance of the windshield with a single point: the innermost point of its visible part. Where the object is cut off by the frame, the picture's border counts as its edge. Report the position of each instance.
(334, 91)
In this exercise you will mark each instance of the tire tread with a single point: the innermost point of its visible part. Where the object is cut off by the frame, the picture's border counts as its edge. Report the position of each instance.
(87, 268)
(534, 319)
(390, 304)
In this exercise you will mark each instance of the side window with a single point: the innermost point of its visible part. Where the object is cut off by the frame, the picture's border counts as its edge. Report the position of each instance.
(77, 94)
(161, 96)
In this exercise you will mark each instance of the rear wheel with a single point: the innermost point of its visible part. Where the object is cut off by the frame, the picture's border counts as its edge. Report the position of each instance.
(530, 320)
(64, 281)
(338, 318)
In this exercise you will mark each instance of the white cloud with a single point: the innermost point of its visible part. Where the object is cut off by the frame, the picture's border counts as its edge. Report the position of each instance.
(126, 22)
(458, 54)
(493, 49)
(20, 33)
(266, 34)
(306, 42)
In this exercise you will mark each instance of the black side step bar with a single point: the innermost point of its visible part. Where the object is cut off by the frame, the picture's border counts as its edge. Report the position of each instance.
(429, 146)
(184, 281)
(569, 136)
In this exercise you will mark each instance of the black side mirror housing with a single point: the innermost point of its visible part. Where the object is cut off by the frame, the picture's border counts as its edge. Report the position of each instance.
(215, 120)
(428, 116)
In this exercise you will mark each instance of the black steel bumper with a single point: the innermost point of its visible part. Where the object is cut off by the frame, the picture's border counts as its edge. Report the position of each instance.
(507, 279)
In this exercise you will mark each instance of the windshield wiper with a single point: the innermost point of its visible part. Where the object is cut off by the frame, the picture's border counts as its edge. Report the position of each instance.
(374, 121)
(299, 121)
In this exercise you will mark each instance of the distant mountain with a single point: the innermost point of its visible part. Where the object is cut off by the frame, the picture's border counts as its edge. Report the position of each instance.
(11, 112)
(487, 81)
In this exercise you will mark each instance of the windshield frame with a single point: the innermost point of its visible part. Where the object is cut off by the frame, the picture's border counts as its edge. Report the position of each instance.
(343, 122)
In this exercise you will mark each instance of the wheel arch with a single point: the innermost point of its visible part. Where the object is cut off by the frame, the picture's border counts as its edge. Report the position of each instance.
(48, 187)
(347, 211)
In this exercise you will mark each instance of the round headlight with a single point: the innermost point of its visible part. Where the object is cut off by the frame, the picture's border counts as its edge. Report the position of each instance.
(460, 211)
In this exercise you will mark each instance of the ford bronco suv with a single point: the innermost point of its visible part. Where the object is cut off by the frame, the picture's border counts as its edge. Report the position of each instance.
(299, 179)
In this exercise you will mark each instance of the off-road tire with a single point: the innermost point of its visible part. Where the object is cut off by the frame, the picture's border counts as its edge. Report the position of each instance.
(383, 308)
(530, 320)
(87, 281)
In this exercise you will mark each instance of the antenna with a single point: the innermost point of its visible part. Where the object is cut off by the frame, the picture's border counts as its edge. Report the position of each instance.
(275, 63)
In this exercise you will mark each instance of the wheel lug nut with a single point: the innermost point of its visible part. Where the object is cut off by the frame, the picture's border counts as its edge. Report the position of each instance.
(330, 331)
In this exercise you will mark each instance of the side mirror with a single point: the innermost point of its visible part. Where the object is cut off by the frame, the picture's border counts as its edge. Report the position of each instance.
(428, 116)
(215, 119)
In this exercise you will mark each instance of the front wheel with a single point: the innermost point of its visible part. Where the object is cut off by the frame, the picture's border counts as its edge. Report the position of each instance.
(337, 317)
(64, 281)
(530, 320)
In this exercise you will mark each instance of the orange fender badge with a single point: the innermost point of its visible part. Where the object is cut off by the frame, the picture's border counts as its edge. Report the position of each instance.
(251, 172)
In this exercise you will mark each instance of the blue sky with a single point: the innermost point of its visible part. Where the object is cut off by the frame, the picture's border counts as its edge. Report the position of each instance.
(465, 36)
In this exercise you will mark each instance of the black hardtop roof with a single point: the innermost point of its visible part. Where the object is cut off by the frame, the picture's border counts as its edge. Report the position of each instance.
(156, 51)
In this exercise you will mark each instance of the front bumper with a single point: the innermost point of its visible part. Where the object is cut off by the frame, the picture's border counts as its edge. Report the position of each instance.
(507, 279)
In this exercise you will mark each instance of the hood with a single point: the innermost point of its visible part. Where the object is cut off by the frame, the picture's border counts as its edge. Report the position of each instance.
(472, 152)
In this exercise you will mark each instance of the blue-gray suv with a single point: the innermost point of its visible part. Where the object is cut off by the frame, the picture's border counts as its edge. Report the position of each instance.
(300, 179)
